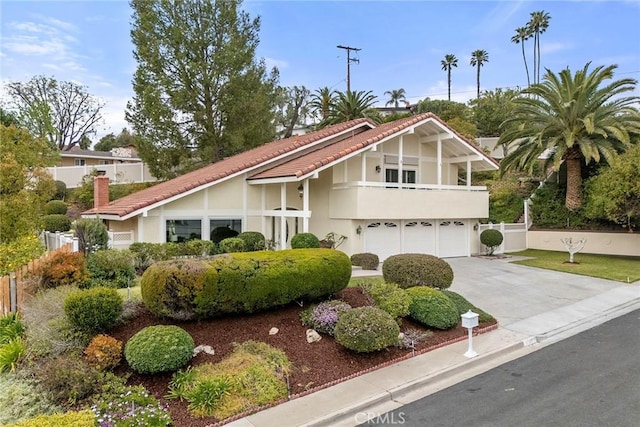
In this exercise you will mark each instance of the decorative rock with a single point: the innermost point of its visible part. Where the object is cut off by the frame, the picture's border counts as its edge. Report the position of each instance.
(313, 336)
(400, 336)
(273, 331)
(203, 348)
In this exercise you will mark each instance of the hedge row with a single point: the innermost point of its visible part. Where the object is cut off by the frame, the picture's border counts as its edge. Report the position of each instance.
(242, 282)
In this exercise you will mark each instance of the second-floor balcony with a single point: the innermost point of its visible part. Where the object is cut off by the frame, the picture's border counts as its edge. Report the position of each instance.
(380, 200)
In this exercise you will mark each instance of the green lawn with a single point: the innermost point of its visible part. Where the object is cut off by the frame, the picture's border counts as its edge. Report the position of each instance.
(618, 268)
(355, 281)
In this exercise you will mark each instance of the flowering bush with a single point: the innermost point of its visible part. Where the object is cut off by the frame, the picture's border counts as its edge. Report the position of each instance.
(324, 316)
(131, 406)
(19, 252)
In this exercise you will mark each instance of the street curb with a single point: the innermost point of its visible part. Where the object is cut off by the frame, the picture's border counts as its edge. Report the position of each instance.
(583, 324)
(395, 393)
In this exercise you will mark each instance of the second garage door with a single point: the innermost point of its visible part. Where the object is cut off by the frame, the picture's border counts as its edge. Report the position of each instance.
(444, 238)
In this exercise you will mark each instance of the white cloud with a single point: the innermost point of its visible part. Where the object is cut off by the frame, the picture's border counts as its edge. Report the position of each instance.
(278, 63)
(67, 26)
(552, 47)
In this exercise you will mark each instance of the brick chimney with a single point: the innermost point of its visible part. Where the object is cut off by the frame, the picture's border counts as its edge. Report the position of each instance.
(100, 190)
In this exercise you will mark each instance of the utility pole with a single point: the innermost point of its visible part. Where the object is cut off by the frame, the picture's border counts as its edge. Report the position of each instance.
(349, 61)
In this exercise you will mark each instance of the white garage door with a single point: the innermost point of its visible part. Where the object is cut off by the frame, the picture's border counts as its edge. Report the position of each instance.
(383, 238)
(390, 237)
(453, 238)
(420, 237)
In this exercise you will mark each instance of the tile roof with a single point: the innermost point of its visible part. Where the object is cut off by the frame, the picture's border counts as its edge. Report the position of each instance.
(219, 170)
(310, 162)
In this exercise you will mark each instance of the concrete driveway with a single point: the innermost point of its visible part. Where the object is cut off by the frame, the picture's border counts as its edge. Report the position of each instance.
(512, 292)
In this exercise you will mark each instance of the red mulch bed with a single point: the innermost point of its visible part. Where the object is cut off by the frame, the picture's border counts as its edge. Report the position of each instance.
(315, 365)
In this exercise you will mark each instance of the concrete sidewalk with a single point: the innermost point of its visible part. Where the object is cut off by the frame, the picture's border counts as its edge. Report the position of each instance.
(534, 308)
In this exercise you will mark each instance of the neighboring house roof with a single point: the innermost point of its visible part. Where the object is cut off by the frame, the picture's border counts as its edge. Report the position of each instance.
(119, 154)
(215, 172)
(287, 159)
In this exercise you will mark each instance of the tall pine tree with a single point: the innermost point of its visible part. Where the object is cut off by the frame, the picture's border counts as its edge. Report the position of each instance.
(200, 93)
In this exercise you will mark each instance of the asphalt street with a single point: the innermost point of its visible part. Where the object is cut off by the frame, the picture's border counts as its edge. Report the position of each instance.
(590, 379)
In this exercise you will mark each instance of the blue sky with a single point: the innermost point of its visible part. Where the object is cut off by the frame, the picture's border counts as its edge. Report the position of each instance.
(402, 44)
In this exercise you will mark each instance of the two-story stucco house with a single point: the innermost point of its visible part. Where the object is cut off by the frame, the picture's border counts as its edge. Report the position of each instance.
(398, 187)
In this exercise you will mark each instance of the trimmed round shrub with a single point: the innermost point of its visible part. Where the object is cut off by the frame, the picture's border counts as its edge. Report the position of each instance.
(388, 297)
(253, 241)
(232, 244)
(463, 306)
(408, 270)
(63, 268)
(111, 268)
(162, 348)
(218, 234)
(324, 316)
(366, 329)
(367, 261)
(432, 308)
(56, 222)
(103, 352)
(491, 239)
(55, 207)
(93, 310)
(197, 247)
(305, 240)
(242, 282)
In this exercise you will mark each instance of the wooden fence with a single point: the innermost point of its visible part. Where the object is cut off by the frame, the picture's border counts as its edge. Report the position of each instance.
(12, 286)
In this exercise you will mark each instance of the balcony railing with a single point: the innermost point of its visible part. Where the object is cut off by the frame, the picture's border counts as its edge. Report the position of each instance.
(405, 186)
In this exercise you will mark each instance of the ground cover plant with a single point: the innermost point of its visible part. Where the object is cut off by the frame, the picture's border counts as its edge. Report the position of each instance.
(619, 268)
(229, 365)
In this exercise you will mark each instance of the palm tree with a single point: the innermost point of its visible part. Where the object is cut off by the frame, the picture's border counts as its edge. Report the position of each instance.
(576, 118)
(522, 34)
(351, 105)
(478, 58)
(320, 102)
(537, 25)
(450, 61)
(395, 96)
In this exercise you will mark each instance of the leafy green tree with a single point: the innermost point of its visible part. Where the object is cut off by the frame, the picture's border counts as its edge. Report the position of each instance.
(395, 97)
(106, 143)
(491, 109)
(111, 141)
(291, 108)
(25, 186)
(351, 105)
(444, 109)
(537, 25)
(450, 61)
(614, 193)
(478, 59)
(321, 101)
(577, 118)
(8, 118)
(200, 93)
(523, 34)
(62, 112)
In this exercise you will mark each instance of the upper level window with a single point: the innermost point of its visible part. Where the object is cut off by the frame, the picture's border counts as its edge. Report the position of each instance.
(79, 162)
(408, 176)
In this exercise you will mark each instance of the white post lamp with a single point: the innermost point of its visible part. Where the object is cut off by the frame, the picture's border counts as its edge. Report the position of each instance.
(470, 321)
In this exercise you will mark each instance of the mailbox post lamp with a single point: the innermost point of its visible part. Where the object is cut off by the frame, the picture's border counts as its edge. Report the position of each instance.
(470, 321)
